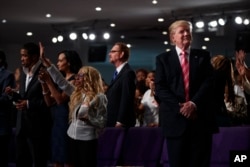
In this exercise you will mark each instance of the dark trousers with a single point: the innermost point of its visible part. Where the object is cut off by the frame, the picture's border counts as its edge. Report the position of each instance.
(190, 150)
(4, 150)
(83, 153)
(32, 150)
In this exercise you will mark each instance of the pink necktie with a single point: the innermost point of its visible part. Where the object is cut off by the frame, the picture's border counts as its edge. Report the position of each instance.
(185, 72)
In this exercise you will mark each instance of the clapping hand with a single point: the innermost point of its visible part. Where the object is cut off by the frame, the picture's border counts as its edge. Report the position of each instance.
(240, 61)
(46, 62)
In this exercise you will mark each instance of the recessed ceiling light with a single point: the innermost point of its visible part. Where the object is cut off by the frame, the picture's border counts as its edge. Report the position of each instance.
(165, 42)
(122, 36)
(164, 32)
(29, 33)
(206, 39)
(129, 45)
(204, 47)
(98, 9)
(154, 2)
(112, 25)
(160, 19)
(4, 21)
(48, 15)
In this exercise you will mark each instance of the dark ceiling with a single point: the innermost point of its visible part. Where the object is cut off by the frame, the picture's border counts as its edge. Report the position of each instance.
(136, 19)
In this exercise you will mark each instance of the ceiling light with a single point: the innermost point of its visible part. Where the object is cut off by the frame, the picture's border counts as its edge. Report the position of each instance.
(73, 36)
(98, 9)
(29, 33)
(54, 40)
(199, 24)
(60, 38)
(221, 21)
(246, 21)
(160, 19)
(85, 36)
(206, 39)
(204, 47)
(238, 20)
(129, 45)
(48, 15)
(154, 2)
(92, 36)
(167, 50)
(106, 35)
(165, 42)
(112, 25)
(4, 21)
(122, 36)
(164, 32)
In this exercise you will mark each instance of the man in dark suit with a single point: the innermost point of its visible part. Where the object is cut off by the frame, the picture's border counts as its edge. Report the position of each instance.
(121, 91)
(33, 117)
(185, 112)
(6, 80)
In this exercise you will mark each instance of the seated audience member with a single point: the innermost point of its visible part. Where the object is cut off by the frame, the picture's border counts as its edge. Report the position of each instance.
(139, 92)
(141, 74)
(149, 105)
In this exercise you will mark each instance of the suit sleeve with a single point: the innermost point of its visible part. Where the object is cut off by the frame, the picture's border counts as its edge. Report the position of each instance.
(8, 81)
(127, 99)
(58, 78)
(163, 93)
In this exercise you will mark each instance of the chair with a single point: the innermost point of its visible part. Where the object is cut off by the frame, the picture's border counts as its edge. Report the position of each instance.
(109, 146)
(142, 147)
(229, 139)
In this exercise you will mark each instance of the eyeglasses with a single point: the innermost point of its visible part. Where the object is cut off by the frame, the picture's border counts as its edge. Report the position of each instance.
(113, 51)
(79, 76)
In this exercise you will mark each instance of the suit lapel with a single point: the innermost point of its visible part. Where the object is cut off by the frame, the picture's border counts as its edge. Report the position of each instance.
(126, 66)
(33, 80)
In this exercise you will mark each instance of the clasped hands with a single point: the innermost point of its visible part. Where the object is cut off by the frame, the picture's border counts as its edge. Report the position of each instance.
(188, 110)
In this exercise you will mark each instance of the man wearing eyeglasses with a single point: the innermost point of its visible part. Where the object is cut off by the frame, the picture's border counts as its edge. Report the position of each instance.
(121, 91)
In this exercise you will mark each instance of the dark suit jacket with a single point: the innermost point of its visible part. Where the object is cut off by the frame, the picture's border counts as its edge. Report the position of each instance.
(170, 92)
(6, 79)
(120, 95)
(36, 120)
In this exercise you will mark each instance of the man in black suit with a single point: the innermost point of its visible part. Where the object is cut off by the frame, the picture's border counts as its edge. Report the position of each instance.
(6, 80)
(33, 116)
(185, 113)
(121, 91)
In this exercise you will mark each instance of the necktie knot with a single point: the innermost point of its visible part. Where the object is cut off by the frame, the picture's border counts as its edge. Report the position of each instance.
(115, 75)
(183, 53)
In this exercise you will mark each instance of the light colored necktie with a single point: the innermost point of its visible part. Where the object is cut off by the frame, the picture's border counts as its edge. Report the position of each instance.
(185, 72)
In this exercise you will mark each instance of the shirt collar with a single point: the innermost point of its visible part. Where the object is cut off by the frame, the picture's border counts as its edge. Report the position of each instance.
(118, 69)
(179, 50)
(33, 69)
